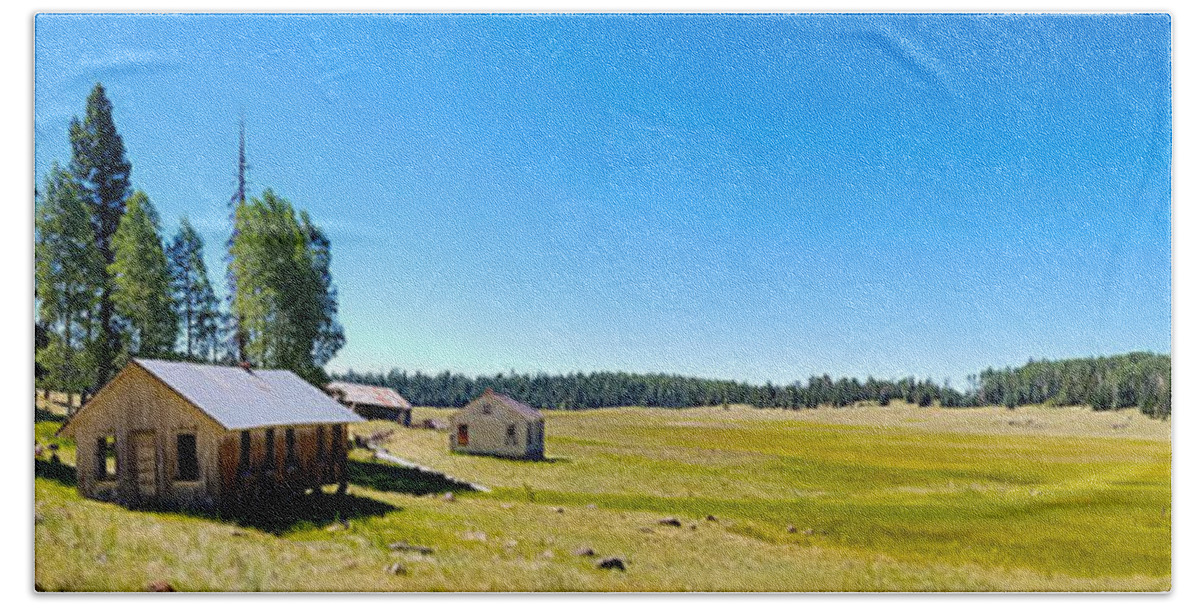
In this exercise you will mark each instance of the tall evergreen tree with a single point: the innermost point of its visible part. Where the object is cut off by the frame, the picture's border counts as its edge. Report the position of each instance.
(100, 168)
(141, 281)
(192, 292)
(68, 278)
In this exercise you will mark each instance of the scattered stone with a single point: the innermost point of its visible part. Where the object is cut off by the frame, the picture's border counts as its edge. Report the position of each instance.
(559, 510)
(669, 521)
(585, 552)
(548, 554)
(448, 497)
(479, 536)
(808, 532)
(611, 563)
(403, 546)
(591, 506)
(791, 529)
(506, 505)
(159, 587)
(511, 544)
(710, 517)
(397, 568)
(691, 526)
(237, 533)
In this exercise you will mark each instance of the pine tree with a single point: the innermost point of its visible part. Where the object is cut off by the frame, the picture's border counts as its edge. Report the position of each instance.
(141, 281)
(68, 278)
(192, 293)
(100, 168)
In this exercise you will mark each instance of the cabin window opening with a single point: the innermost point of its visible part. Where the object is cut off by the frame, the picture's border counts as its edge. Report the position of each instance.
(106, 457)
(487, 409)
(321, 443)
(336, 438)
(510, 435)
(187, 465)
(463, 436)
(244, 454)
(289, 440)
(269, 461)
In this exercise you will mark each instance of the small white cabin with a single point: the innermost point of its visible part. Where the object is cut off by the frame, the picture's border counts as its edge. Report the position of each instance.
(498, 425)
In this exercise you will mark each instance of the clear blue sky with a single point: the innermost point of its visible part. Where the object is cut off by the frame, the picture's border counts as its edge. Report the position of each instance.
(746, 197)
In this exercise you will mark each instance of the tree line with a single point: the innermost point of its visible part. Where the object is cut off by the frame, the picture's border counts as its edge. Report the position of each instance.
(1141, 380)
(109, 286)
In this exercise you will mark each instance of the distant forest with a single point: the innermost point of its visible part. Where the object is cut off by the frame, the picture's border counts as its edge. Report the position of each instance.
(1135, 380)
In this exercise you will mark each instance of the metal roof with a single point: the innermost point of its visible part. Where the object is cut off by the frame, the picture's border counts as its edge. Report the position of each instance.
(366, 394)
(239, 398)
(523, 409)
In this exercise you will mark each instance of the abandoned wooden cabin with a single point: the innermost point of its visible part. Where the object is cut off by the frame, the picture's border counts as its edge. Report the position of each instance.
(498, 425)
(205, 436)
(372, 402)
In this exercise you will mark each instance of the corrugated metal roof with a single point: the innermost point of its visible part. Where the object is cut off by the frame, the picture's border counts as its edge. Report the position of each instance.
(523, 409)
(367, 394)
(242, 399)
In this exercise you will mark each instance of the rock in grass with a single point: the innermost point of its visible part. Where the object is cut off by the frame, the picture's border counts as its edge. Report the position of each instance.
(559, 510)
(396, 568)
(791, 529)
(159, 587)
(585, 552)
(611, 563)
(448, 497)
(403, 546)
(669, 521)
(710, 517)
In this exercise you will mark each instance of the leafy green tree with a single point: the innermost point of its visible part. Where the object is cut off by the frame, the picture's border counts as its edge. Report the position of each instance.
(285, 301)
(102, 172)
(141, 281)
(68, 278)
(196, 305)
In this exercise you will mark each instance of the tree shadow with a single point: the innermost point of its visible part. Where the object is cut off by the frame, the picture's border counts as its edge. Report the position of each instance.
(402, 480)
(54, 471)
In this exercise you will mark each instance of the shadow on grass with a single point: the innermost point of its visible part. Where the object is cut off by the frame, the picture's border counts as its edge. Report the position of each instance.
(44, 415)
(54, 471)
(391, 478)
(308, 511)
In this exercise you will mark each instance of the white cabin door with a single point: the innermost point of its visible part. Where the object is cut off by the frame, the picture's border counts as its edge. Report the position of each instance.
(145, 460)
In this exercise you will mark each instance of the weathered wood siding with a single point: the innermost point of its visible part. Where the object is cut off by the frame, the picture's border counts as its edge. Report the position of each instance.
(137, 404)
(314, 463)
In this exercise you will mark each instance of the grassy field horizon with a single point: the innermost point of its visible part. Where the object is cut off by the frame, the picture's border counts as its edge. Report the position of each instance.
(895, 498)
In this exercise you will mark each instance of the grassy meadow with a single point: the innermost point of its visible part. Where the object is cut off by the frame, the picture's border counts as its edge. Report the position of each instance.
(864, 499)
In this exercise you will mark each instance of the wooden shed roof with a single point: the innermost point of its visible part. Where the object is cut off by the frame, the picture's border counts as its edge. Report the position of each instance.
(367, 394)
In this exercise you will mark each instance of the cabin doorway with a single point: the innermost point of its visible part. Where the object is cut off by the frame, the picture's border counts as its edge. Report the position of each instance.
(145, 463)
(463, 437)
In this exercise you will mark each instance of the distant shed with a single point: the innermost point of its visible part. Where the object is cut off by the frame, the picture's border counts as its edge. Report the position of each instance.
(188, 435)
(372, 402)
(498, 425)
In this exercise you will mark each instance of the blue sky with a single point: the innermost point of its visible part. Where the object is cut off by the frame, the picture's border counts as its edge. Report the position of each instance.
(748, 197)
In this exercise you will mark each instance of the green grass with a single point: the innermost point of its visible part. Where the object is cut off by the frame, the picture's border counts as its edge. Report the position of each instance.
(905, 499)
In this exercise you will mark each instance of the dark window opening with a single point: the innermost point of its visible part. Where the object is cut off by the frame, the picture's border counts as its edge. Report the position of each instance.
(510, 436)
(244, 455)
(487, 409)
(463, 436)
(289, 440)
(106, 457)
(187, 464)
(269, 461)
(320, 443)
(336, 442)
